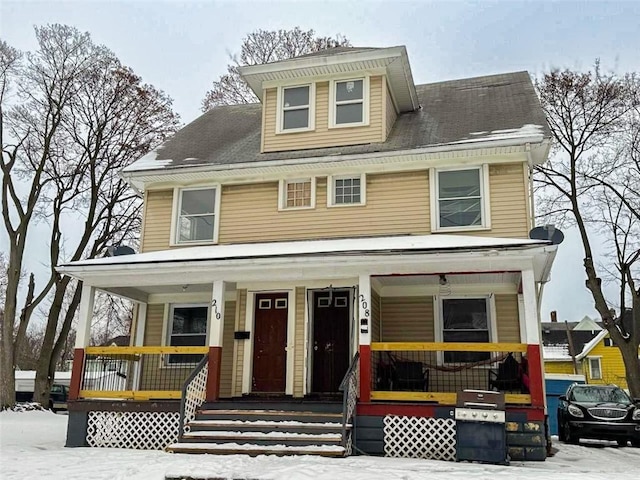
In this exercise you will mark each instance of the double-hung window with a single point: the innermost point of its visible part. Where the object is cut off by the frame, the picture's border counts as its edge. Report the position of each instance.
(197, 217)
(465, 320)
(298, 193)
(460, 200)
(188, 328)
(295, 108)
(349, 102)
(595, 368)
(346, 190)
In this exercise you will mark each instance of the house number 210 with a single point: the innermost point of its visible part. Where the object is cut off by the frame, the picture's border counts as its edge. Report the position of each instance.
(364, 305)
(216, 313)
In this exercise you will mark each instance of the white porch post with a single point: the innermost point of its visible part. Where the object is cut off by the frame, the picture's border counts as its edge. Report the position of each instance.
(85, 315)
(214, 340)
(83, 338)
(138, 341)
(364, 336)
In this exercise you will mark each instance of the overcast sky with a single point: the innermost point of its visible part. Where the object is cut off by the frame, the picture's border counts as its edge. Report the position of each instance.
(181, 47)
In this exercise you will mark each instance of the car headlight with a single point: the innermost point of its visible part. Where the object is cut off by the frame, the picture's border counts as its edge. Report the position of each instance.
(636, 414)
(575, 411)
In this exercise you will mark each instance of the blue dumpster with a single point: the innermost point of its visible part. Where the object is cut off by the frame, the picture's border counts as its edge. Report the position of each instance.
(556, 384)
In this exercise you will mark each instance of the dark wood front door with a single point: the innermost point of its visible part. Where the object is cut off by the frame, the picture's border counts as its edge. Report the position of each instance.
(270, 342)
(330, 340)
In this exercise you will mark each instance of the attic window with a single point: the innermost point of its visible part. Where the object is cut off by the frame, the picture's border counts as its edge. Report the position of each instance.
(296, 108)
(349, 102)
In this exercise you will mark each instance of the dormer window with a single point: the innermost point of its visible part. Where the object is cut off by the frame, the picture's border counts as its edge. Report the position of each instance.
(349, 102)
(296, 108)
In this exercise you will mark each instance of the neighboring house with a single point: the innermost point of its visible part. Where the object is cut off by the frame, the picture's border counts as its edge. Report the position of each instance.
(596, 356)
(354, 245)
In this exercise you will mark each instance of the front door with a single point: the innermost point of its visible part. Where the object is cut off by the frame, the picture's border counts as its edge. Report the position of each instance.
(270, 342)
(330, 340)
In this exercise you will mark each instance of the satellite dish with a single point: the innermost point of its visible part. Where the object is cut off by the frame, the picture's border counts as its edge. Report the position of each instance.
(123, 250)
(549, 233)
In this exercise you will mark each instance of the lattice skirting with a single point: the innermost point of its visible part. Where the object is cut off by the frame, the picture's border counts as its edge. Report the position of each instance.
(418, 437)
(140, 430)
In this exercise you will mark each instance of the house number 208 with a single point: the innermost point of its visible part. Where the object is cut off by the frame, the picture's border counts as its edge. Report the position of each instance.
(216, 313)
(364, 305)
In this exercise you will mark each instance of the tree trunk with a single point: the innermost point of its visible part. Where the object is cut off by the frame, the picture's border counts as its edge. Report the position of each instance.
(7, 367)
(629, 352)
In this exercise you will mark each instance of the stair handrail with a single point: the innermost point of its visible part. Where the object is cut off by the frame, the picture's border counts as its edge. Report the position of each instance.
(349, 389)
(194, 393)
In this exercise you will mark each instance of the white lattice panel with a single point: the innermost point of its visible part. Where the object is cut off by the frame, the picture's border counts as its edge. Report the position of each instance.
(195, 396)
(418, 437)
(140, 430)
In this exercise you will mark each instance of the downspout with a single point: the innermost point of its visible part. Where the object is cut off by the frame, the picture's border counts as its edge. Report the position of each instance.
(532, 211)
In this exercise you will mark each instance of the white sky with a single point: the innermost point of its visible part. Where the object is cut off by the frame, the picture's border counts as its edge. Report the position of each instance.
(181, 47)
(32, 446)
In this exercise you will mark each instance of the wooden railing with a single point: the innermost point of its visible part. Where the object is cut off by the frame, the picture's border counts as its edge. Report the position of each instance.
(436, 371)
(137, 373)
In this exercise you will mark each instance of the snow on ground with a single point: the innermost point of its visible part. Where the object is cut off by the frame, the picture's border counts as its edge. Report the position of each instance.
(32, 447)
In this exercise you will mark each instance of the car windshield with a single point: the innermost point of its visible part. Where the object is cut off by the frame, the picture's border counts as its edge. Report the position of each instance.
(600, 395)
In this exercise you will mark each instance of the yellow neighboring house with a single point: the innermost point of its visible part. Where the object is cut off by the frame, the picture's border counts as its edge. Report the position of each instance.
(596, 356)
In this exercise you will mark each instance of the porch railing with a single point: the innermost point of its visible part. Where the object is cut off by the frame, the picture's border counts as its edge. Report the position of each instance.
(194, 394)
(436, 371)
(137, 373)
(349, 389)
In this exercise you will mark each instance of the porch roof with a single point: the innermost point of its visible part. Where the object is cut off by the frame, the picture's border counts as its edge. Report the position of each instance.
(343, 246)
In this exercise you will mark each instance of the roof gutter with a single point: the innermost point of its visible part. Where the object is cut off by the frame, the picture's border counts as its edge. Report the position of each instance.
(130, 175)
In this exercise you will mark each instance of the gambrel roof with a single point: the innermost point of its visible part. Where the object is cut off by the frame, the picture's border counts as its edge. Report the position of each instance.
(473, 111)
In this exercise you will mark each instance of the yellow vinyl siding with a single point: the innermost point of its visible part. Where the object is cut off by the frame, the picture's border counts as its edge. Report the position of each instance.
(407, 319)
(509, 216)
(390, 113)
(397, 203)
(559, 367)
(156, 231)
(239, 344)
(375, 317)
(299, 350)
(154, 325)
(323, 136)
(507, 319)
(226, 364)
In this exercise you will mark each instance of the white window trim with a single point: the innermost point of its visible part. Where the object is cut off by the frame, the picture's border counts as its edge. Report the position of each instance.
(282, 194)
(175, 215)
(599, 359)
(365, 103)
(280, 107)
(168, 326)
(485, 200)
(439, 321)
(331, 188)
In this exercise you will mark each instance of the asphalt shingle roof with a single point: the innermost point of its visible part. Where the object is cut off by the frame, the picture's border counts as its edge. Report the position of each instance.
(452, 111)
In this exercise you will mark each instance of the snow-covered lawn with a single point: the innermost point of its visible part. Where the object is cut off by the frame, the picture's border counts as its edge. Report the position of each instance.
(32, 447)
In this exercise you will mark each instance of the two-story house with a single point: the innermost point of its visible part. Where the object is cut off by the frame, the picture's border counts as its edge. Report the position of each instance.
(353, 248)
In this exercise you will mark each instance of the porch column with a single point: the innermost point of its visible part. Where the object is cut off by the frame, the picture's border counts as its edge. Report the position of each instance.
(138, 341)
(532, 339)
(216, 329)
(364, 336)
(83, 338)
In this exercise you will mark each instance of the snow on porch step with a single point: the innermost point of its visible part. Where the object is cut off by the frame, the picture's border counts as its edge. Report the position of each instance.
(263, 438)
(273, 415)
(266, 426)
(254, 450)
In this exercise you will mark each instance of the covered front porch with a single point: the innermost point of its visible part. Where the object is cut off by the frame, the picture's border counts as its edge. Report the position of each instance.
(412, 320)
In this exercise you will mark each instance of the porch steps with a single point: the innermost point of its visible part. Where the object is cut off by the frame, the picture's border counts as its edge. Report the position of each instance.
(264, 431)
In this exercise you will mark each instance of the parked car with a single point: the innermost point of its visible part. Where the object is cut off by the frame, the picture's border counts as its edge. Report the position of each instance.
(603, 412)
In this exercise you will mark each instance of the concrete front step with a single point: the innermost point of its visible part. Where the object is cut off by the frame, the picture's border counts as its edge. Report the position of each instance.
(254, 450)
(265, 426)
(263, 438)
(270, 415)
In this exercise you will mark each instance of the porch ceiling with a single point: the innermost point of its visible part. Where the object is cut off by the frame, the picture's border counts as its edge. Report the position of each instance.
(453, 279)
